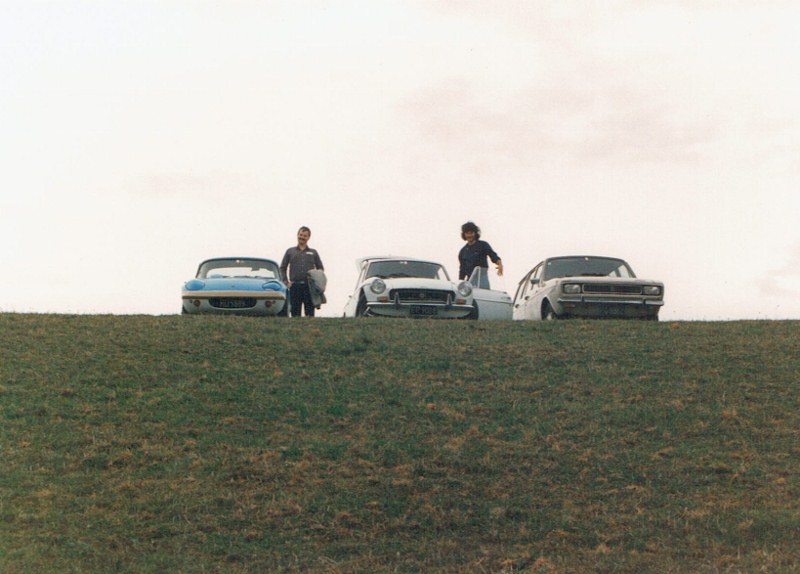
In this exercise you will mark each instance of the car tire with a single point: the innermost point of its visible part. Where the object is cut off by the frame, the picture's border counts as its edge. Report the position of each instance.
(548, 313)
(285, 311)
(361, 309)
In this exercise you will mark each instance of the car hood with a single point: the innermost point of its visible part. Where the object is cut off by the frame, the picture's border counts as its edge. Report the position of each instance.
(235, 283)
(415, 283)
(612, 280)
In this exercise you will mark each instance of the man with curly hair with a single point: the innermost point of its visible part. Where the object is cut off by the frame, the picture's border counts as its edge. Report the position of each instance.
(476, 253)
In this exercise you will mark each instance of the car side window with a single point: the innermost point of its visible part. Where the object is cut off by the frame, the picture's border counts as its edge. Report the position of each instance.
(522, 287)
(537, 274)
(525, 285)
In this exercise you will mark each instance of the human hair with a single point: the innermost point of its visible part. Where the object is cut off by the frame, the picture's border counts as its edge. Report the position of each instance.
(470, 226)
(304, 228)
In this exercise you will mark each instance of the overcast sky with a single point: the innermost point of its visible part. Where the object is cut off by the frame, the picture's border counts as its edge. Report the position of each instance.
(139, 138)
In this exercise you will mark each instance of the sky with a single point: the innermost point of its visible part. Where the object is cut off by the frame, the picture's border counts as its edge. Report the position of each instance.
(139, 138)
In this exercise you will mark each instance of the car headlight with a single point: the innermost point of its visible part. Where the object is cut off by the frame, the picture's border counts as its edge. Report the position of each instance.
(651, 290)
(377, 286)
(272, 286)
(194, 285)
(464, 289)
(571, 288)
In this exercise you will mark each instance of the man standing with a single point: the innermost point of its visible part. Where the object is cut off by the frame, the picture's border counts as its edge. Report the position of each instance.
(299, 261)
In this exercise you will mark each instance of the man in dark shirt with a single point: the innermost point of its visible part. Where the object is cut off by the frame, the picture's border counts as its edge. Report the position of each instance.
(475, 254)
(297, 262)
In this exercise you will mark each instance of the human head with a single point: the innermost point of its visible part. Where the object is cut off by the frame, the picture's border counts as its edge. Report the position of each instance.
(470, 226)
(303, 234)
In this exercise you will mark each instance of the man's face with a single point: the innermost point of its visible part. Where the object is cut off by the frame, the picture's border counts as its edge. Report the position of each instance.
(302, 237)
(469, 236)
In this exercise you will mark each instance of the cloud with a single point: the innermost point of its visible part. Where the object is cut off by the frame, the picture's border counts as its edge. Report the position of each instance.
(667, 82)
(201, 186)
(783, 281)
(581, 120)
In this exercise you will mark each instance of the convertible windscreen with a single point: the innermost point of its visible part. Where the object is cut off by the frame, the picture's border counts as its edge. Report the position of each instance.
(587, 267)
(389, 269)
(239, 268)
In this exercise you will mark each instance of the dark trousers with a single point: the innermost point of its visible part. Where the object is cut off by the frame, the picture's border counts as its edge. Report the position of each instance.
(300, 298)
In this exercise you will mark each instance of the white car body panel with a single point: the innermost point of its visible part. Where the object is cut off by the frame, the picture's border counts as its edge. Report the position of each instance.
(599, 297)
(413, 296)
(493, 304)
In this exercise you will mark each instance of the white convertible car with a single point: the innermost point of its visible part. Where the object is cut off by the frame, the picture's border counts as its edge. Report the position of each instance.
(407, 287)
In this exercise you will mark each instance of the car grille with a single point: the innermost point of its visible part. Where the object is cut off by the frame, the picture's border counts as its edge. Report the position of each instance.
(612, 288)
(419, 295)
(232, 302)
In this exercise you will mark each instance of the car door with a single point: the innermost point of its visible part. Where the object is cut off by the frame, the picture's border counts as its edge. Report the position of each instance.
(493, 304)
(525, 306)
(536, 292)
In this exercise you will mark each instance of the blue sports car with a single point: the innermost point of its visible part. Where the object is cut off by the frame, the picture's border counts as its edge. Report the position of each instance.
(236, 286)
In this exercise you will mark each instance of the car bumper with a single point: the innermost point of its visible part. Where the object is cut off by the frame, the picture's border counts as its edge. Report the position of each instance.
(609, 308)
(419, 311)
(254, 303)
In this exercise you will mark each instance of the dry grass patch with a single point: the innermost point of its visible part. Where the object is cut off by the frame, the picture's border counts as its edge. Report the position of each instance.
(152, 444)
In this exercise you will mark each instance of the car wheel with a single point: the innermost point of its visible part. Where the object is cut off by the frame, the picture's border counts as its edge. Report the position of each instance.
(361, 309)
(473, 315)
(548, 314)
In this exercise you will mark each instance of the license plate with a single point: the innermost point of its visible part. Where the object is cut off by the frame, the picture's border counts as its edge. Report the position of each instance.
(243, 303)
(424, 310)
(614, 312)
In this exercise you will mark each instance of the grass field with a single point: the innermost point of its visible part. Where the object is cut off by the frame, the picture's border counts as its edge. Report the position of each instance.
(141, 444)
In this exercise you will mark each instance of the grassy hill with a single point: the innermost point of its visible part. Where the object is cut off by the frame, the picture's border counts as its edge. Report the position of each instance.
(179, 444)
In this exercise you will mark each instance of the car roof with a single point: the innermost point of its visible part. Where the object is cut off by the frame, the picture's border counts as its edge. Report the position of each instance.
(585, 257)
(620, 259)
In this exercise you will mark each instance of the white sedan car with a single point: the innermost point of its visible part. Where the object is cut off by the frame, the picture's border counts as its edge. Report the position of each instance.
(587, 287)
(405, 287)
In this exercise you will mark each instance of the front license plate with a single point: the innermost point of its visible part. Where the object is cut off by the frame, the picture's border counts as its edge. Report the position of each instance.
(238, 303)
(614, 312)
(424, 311)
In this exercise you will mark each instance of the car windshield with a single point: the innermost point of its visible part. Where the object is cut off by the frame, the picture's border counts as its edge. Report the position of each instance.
(405, 268)
(586, 267)
(258, 268)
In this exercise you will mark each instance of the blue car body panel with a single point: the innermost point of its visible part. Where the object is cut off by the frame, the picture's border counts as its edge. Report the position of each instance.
(236, 285)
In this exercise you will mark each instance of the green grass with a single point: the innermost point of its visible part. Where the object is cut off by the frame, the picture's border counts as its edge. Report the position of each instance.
(180, 444)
